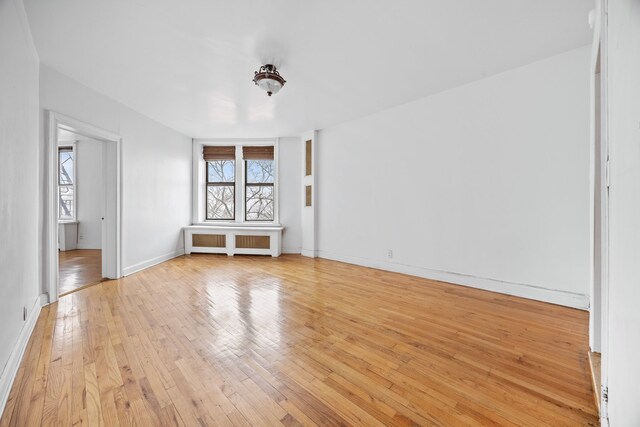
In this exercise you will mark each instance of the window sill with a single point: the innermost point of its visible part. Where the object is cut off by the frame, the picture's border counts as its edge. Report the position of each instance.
(252, 224)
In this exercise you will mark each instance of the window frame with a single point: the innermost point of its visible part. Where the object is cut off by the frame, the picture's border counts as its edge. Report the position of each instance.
(68, 147)
(219, 184)
(258, 184)
(199, 182)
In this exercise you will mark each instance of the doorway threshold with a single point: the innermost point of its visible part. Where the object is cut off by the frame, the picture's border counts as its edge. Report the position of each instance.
(84, 287)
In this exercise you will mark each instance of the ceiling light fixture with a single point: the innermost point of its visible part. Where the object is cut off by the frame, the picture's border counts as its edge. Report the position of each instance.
(269, 79)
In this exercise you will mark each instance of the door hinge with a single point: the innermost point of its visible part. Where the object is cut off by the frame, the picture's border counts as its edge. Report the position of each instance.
(607, 174)
(605, 394)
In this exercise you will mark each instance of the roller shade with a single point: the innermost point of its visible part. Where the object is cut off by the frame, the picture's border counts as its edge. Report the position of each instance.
(257, 153)
(219, 153)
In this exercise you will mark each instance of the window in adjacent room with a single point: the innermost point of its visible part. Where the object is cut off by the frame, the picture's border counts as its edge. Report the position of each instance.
(221, 183)
(66, 184)
(259, 183)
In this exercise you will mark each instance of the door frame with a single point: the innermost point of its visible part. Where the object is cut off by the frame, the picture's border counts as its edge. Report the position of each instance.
(598, 341)
(599, 206)
(54, 122)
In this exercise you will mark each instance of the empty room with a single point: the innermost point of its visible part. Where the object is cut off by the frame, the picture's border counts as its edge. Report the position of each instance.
(327, 213)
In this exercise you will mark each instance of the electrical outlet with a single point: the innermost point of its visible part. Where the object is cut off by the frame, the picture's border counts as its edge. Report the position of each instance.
(390, 254)
(24, 313)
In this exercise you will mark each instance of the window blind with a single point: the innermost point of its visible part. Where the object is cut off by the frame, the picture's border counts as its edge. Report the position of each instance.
(210, 153)
(257, 153)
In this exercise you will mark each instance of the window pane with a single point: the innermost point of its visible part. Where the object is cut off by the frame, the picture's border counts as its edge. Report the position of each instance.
(259, 203)
(66, 167)
(220, 202)
(65, 205)
(221, 171)
(260, 171)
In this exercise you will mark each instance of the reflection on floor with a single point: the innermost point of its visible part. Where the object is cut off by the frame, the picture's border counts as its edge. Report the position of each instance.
(595, 360)
(79, 268)
(254, 341)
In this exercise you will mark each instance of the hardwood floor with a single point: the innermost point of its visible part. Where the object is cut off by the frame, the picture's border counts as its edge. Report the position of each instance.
(251, 341)
(79, 268)
(595, 362)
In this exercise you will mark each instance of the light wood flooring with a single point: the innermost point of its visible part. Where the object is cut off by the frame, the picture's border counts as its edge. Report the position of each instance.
(252, 341)
(79, 268)
(595, 360)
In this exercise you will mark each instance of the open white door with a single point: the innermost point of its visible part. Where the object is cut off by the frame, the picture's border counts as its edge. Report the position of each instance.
(110, 211)
(599, 306)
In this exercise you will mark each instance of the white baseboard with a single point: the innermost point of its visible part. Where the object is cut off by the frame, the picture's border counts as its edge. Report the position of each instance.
(88, 246)
(11, 368)
(44, 299)
(312, 254)
(534, 292)
(291, 250)
(151, 262)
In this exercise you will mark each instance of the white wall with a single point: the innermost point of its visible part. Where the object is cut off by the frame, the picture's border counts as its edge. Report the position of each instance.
(156, 164)
(89, 187)
(486, 184)
(624, 212)
(19, 186)
(290, 177)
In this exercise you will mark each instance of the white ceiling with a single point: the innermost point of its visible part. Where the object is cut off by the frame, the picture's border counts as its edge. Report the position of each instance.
(189, 64)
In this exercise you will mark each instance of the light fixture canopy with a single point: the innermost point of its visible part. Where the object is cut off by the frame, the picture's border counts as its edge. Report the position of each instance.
(269, 79)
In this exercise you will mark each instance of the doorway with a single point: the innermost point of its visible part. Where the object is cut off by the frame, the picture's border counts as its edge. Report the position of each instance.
(84, 206)
(81, 205)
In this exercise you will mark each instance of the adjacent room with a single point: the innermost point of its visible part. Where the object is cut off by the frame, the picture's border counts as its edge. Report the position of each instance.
(291, 213)
(82, 179)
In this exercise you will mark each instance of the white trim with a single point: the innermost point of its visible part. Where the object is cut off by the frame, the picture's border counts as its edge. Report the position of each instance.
(44, 299)
(596, 61)
(257, 224)
(312, 254)
(88, 246)
(151, 262)
(276, 183)
(534, 292)
(599, 321)
(8, 375)
(239, 184)
(291, 250)
(604, 132)
(196, 179)
(55, 121)
(243, 227)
